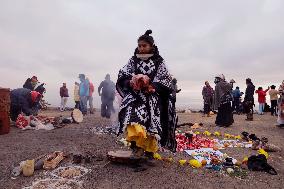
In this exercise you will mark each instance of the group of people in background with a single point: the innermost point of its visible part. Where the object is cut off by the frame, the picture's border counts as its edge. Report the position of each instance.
(83, 95)
(226, 100)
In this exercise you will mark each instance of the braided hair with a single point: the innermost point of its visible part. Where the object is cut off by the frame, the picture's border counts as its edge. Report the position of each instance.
(148, 39)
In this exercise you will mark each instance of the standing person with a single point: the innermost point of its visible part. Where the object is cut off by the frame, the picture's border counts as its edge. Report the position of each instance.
(261, 99)
(236, 101)
(24, 100)
(84, 93)
(249, 99)
(31, 83)
(77, 95)
(280, 119)
(223, 100)
(90, 97)
(147, 114)
(273, 93)
(107, 92)
(64, 97)
(207, 93)
(175, 89)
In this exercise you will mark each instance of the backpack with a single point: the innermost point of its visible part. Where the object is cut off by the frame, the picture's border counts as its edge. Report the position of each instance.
(259, 163)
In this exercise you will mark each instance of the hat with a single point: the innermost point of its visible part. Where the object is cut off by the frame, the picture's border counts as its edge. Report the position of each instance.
(34, 77)
(82, 76)
(248, 80)
(221, 76)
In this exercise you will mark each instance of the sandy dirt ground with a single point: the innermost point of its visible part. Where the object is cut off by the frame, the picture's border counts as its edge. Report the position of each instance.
(21, 145)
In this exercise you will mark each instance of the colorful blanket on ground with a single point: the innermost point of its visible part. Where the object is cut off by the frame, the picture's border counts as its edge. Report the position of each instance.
(206, 154)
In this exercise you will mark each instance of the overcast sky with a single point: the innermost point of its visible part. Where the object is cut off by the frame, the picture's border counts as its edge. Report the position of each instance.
(58, 39)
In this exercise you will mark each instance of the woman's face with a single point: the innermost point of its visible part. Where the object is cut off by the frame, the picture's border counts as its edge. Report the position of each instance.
(144, 47)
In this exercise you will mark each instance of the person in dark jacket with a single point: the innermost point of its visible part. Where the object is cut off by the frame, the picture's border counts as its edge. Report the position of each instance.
(107, 92)
(249, 99)
(31, 83)
(23, 100)
(236, 101)
(64, 97)
(207, 93)
(175, 89)
(223, 101)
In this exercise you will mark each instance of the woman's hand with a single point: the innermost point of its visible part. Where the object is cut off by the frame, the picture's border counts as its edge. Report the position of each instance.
(141, 82)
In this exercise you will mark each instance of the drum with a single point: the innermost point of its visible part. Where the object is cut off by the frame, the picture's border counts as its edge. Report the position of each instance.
(77, 116)
(124, 157)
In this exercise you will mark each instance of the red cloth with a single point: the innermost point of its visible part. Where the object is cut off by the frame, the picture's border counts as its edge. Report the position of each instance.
(92, 89)
(141, 82)
(22, 121)
(261, 95)
(35, 95)
(196, 142)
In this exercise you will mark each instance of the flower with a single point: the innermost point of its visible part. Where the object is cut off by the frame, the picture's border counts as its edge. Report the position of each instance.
(238, 137)
(157, 156)
(262, 151)
(182, 161)
(207, 133)
(194, 163)
(245, 160)
(227, 135)
(217, 133)
(197, 132)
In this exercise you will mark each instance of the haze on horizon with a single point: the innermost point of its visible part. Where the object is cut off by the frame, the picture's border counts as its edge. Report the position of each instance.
(58, 39)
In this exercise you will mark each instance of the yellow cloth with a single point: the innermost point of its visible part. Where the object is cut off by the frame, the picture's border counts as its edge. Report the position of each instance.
(137, 133)
(76, 93)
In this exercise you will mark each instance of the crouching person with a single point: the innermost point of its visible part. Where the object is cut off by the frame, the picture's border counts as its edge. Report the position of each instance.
(24, 100)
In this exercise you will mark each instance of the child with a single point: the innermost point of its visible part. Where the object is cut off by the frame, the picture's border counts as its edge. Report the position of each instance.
(146, 115)
(261, 99)
(77, 95)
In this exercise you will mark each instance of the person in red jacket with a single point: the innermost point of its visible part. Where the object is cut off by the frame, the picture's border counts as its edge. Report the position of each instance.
(261, 98)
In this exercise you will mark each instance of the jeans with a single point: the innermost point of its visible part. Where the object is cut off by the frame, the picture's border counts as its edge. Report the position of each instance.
(261, 108)
(63, 103)
(90, 99)
(83, 104)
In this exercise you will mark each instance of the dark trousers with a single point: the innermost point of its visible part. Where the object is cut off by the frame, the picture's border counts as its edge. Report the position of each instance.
(77, 104)
(106, 109)
(236, 105)
(273, 107)
(248, 109)
(14, 112)
(206, 108)
(225, 115)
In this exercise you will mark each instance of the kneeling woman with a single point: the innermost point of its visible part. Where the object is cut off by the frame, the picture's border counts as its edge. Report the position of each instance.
(147, 114)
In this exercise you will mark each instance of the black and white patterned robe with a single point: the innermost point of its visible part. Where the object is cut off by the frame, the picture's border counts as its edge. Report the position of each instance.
(146, 109)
